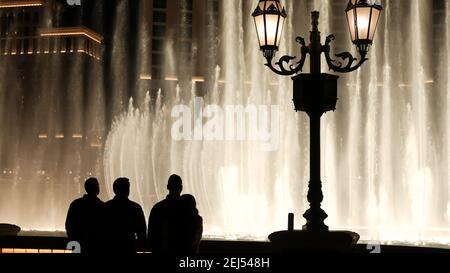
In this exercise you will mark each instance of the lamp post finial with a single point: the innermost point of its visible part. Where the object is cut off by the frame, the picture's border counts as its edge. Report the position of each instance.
(315, 20)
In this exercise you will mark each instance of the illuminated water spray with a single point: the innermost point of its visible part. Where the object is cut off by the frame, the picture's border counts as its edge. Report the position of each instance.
(381, 149)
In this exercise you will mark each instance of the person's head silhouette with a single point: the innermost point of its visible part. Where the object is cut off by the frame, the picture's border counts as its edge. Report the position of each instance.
(121, 187)
(92, 187)
(188, 203)
(175, 185)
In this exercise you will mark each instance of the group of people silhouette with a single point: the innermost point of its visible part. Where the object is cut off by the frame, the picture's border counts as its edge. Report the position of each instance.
(118, 226)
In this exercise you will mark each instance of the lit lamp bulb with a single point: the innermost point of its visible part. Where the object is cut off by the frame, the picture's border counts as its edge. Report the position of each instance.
(269, 18)
(363, 17)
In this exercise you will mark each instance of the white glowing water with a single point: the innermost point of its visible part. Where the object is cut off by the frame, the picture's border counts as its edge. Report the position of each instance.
(386, 151)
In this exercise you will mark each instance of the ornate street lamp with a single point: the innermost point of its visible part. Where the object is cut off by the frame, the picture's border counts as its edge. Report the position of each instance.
(269, 18)
(315, 93)
(362, 18)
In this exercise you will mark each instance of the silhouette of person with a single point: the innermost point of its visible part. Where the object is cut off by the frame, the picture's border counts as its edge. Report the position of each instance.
(174, 223)
(192, 222)
(126, 220)
(84, 222)
(162, 223)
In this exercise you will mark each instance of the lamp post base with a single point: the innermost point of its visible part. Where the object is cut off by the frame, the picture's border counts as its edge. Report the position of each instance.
(315, 218)
(300, 241)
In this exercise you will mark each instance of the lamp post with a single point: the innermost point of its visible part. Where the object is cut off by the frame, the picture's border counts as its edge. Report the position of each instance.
(315, 93)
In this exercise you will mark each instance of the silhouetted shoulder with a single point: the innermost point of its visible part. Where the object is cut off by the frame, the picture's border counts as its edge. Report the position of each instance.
(159, 206)
(111, 203)
(135, 205)
(83, 201)
(77, 202)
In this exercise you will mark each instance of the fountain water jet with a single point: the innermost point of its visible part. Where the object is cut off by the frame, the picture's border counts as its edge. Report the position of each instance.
(380, 169)
(386, 150)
